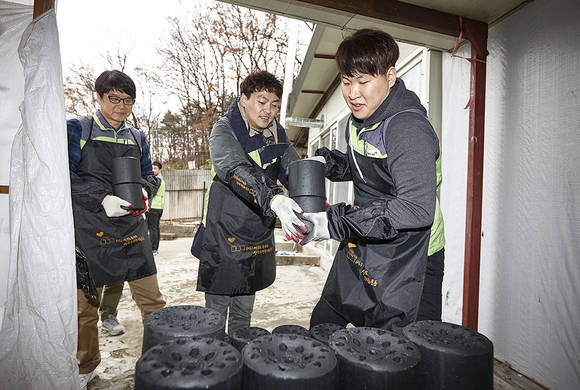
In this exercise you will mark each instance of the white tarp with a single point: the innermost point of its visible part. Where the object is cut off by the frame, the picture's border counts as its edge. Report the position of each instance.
(38, 337)
(454, 138)
(530, 257)
(14, 19)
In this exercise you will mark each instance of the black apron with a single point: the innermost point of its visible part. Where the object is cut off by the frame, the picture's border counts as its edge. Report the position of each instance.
(238, 255)
(118, 249)
(379, 283)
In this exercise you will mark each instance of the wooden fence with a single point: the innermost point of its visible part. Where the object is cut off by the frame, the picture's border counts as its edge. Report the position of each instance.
(184, 193)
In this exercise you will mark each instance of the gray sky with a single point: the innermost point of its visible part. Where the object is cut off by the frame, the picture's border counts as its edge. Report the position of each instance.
(87, 29)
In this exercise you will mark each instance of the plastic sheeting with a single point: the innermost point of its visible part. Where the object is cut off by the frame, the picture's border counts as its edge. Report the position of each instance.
(530, 273)
(14, 19)
(530, 257)
(39, 329)
(454, 138)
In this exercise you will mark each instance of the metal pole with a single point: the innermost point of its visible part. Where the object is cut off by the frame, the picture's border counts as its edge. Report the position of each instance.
(473, 214)
(289, 71)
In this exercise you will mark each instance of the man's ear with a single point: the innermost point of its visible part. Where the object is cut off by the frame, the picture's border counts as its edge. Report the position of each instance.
(99, 98)
(391, 76)
(243, 100)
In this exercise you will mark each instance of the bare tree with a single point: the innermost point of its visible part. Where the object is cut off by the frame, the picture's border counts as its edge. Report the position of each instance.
(254, 41)
(207, 55)
(206, 58)
(146, 115)
(79, 91)
(118, 60)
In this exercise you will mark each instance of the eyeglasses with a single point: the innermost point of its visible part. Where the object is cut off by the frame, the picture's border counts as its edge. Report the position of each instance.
(116, 100)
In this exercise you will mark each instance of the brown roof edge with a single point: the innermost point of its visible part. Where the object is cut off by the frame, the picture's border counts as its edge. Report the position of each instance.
(401, 13)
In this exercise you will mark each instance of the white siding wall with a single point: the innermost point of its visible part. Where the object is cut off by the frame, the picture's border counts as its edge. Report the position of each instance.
(333, 112)
(334, 109)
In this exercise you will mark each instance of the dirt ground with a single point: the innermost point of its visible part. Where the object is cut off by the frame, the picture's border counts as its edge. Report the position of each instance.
(289, 300)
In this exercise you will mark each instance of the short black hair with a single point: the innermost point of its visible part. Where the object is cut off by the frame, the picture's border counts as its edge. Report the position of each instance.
(158, 164)
(261, 81)
(367, 51)
(111, 80)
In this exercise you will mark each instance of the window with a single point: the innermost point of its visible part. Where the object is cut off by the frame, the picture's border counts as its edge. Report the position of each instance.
(413, 71)
(413, 80)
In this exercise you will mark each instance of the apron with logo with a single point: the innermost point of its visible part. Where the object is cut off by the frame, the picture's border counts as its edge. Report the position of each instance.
(378, 283)
(117, 249)
(237, 254)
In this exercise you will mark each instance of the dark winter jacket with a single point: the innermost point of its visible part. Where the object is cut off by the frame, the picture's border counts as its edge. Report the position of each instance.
(410, 151)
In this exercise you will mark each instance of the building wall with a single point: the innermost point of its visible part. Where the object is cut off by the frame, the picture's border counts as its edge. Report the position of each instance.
(333, 113)
(530, 256)
(333, 110)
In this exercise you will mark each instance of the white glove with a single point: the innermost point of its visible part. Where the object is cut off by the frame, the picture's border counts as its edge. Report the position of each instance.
(317, 158)
(286, 209)
(320, 230)
(112, 205)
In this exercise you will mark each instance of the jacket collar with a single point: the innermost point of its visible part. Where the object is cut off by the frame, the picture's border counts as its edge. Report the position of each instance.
(104, 125)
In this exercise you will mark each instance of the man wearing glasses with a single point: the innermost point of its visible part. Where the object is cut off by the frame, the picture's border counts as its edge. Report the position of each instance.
(109, 231)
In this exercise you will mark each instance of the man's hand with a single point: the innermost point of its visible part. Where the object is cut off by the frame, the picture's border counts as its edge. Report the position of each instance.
(145, 207)
(320, 230)
(286, 209)
(114, 206)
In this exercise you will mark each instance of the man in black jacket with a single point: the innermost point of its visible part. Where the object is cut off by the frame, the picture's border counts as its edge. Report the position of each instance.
(389, 267)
